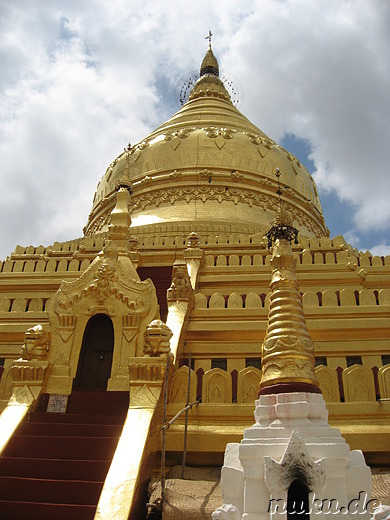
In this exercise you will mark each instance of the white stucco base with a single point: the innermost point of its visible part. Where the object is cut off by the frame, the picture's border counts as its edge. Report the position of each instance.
(292, 440)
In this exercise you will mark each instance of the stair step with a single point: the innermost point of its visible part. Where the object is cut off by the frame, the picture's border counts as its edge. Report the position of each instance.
(108, 403)
(50, 491)
(82, 448)
(92, 470)
(18, 510)
(69, 429)
(55, 464)
(75, 418)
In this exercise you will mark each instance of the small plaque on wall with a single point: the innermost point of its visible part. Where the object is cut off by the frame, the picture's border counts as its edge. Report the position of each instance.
(57, 403)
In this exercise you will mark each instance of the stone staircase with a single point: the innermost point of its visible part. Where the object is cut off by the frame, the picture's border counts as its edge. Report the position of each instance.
(55, 465)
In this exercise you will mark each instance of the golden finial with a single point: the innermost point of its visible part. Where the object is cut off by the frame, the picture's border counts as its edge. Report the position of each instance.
(287, 351)
(208, 37)
(282, 225)
(209, 63)
(124, 181)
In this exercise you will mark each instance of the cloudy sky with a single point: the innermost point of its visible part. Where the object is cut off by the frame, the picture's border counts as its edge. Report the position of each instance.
(79, 79)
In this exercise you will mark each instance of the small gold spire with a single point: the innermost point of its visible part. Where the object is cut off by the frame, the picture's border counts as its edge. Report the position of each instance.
(283, 224)
(287, 351)
(209, 63)
(119, 228)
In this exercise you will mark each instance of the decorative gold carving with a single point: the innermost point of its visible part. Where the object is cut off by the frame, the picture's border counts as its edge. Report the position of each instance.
(213, 132)
(133, 243)
(227, 133)
(179, 387)
(148, 370)
(362, 273)
(141, 146)
(98, 225)
(208, 192)
(358, 384)
(67, 323)
(248, 385)
(175, 143)
(329, 385)
(143, 397)
(36, 343)
(217, 386)
(193, 241)
(31, 371)
(132, 151)
(182, 133)
(131, 325)
(175, 175)
(206, 174)
(234, 301)
(236, 175)
(193, 251)
(130, 321)
(220, 194)
(257, 139)
(217, 301)
(157, 336)
(105, 277)
(180, 288)
(22, 395)
(146, 180)
(287, 352)
(209, 87)
(5, 304)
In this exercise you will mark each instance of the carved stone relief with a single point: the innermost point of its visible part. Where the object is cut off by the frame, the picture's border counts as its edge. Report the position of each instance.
(180, 288)
(36, 343)
(141, 201)
(178, 393)
(296, 464)
(146, 377)
(157, 336)
(217, 386)
(358, 384)
(329, 386)
(248, 385)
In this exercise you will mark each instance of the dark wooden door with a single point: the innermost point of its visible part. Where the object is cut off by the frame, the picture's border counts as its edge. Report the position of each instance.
(95, 359)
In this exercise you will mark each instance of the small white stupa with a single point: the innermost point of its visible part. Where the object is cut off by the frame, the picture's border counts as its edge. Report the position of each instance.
(291, 462)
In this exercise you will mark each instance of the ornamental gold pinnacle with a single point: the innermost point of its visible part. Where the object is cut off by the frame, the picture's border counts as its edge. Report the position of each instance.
(287, 350)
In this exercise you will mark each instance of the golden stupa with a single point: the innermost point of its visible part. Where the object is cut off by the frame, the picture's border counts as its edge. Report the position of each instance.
(208, 164)
(118, 313)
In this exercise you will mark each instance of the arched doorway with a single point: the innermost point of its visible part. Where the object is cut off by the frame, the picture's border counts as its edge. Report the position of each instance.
(298, 501)
(96, 352)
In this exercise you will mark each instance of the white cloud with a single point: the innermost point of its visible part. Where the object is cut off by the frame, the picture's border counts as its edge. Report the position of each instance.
(79, 80)
(322, 74)
(381, 249)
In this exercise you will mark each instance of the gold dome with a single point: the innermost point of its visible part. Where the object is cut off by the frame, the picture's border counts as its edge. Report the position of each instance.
(209, 164)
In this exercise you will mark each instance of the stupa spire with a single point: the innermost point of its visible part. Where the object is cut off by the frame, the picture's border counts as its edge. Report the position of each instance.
(287, 351)
(209, 85)
(118, 230)
(209, 64)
